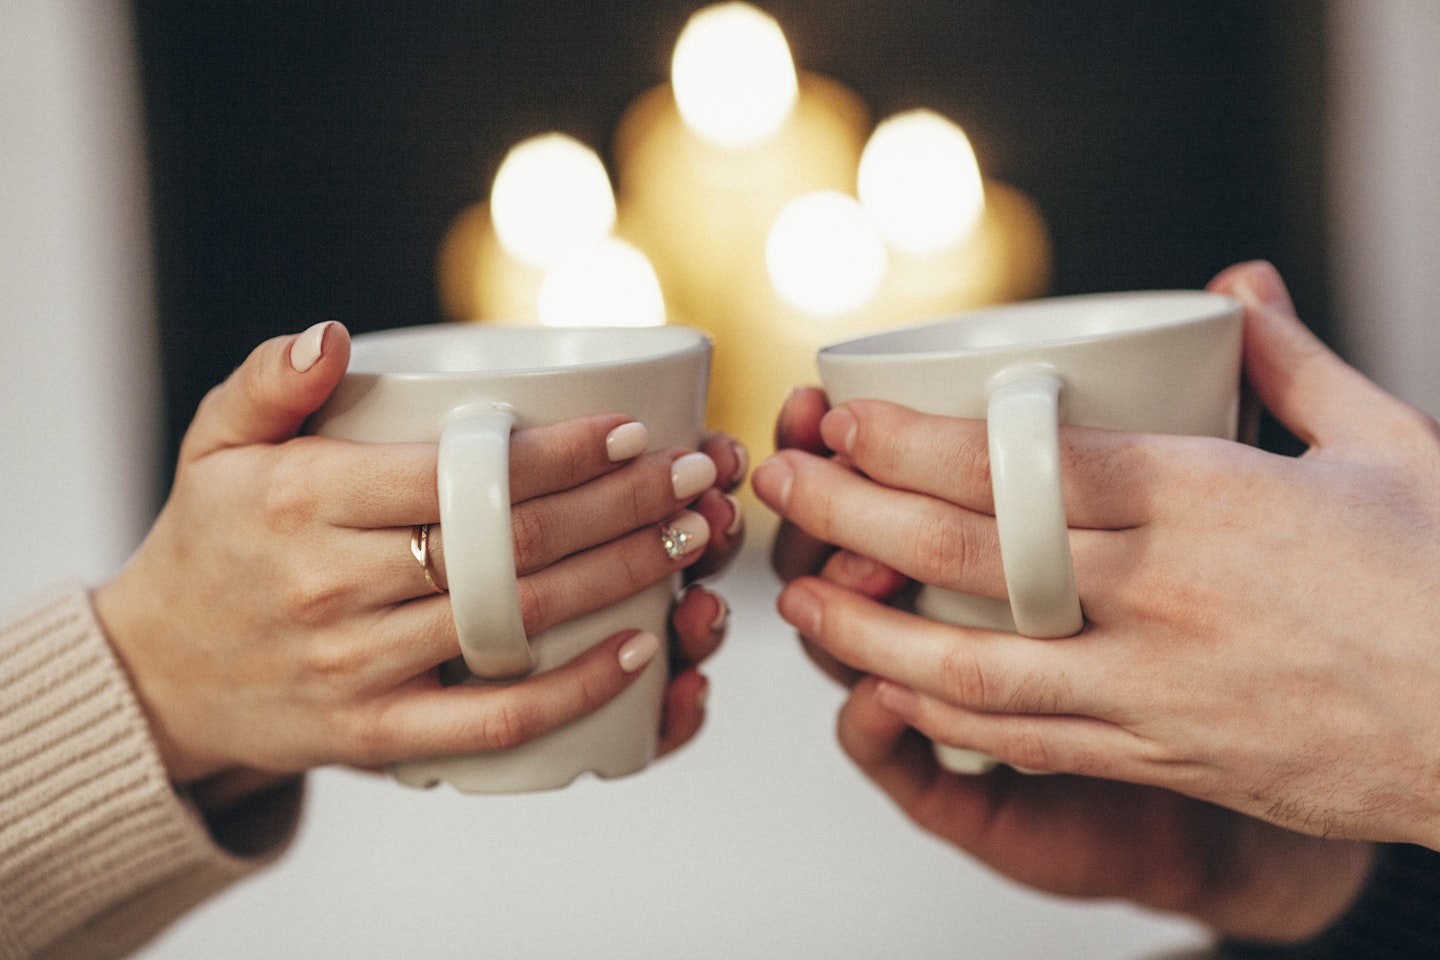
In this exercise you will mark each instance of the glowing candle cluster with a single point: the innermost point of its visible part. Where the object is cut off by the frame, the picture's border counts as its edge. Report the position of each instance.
(756, 201)
(544, 249)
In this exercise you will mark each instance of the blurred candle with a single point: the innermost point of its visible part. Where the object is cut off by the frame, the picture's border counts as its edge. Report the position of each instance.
(824, 262)
(551, 197)
(734, 79)
(920, 180)
(824, 254)
(604, 284)
(706, 162)
(926, 236)
(955, 241)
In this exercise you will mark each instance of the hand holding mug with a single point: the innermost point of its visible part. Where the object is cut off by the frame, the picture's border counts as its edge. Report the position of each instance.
(1164, 362)
(275, 620)
(1259, 630)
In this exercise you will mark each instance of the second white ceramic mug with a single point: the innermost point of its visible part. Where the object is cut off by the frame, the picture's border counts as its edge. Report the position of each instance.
(465, 387)
(1143, 362)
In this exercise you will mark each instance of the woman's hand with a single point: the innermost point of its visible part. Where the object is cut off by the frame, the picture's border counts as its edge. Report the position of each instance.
(275, 620)
(1261, 631)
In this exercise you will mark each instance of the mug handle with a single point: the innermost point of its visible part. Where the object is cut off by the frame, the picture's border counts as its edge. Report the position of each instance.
(473, 479)
(1024, 437)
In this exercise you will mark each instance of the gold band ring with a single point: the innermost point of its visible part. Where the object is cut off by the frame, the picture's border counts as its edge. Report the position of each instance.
(420, 549)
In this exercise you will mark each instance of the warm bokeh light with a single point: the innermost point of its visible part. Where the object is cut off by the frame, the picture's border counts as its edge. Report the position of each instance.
(824, 254)
(733, 75)
(551, 196)
(920, 181)
(606, 284)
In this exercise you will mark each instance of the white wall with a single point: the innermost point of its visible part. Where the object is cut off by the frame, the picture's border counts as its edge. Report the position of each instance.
(1384, 162)
(78, 418)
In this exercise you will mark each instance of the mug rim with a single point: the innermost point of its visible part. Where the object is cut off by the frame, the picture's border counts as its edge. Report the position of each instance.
(675, 340)
(1209, 307)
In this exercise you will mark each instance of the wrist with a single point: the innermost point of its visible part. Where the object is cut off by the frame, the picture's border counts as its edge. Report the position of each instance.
(247, 812)
(135, 634)
(1392, 918)
(1287, 887)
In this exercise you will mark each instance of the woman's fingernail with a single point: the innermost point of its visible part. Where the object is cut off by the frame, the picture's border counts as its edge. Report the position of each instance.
(692, 475)
(737, 520)
(306, 349)
(626, 441)
(722, 616)
(772, 480)
(685, 534)
(742, 463)
(838, 430)
(702, 696)
(639, 650)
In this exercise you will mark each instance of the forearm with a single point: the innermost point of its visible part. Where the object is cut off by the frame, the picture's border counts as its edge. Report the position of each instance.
(98, 852)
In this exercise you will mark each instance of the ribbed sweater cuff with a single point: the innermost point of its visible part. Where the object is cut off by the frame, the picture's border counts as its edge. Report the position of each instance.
(89, 821)
(1396, 916)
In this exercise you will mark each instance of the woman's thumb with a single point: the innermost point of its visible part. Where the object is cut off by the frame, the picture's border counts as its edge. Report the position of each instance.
(267, 399)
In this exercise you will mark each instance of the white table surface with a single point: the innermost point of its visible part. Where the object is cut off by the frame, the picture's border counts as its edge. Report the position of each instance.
(758, 840)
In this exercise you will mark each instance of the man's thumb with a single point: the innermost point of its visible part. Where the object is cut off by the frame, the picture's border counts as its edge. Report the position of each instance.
(1312, 391)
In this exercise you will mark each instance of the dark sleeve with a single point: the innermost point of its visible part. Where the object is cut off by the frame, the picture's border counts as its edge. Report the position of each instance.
(1396, 916)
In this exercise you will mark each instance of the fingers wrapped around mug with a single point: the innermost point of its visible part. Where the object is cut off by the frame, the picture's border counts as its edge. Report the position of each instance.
(912, 491)
(698, 624)
(950, 681)
(428, 718)
(794, 552)
(584, 547)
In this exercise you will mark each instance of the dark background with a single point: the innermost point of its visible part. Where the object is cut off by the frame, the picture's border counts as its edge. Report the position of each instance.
(307, 157)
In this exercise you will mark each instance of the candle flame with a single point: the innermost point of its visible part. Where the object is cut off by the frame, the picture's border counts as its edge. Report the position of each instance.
(551, 195)
(605, 284)
(824, 254)
(733, 75)
(920, 181)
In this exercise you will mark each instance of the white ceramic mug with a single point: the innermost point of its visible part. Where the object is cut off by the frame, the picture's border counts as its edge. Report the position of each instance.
(1144, 362)
(466, 387)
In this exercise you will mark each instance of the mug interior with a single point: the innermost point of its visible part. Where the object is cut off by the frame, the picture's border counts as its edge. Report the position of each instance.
(457, 348)
(1053, 320)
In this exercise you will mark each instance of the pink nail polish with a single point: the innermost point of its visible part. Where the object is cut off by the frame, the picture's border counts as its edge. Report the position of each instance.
(687, 533)
(742, 463)
(627, 441)
(722, 617)
(737, 523)
(306, 350)
(692, 475)
(638, 651)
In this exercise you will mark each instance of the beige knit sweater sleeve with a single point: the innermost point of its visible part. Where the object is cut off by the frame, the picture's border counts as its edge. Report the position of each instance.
(98, 853)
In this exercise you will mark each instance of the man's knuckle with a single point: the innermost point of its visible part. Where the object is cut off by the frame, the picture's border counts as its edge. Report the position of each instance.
(943, 550)
(960, 672)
